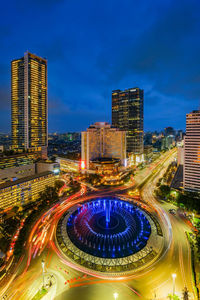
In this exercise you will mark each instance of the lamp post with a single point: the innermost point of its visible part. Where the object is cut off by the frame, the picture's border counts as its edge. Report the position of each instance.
(115, 295)
(43, 265)
(173, 277)
(193, 218)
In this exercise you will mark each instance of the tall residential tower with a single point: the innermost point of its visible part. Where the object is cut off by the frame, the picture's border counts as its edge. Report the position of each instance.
(29, 103)
(127, 114)
(192, 152)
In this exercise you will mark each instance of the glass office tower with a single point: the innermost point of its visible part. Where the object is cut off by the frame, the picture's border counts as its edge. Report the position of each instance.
(127, 114)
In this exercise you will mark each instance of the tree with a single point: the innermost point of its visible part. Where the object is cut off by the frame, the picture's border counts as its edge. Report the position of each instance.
(198, 244)
(173, 297)
(185, 294)
(59, 184)
(15, 209)
(49, 194)
(165, 189)
(189, 200)
(4, 244)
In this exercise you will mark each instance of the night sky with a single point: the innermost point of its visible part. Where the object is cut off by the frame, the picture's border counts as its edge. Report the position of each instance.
(96, 46)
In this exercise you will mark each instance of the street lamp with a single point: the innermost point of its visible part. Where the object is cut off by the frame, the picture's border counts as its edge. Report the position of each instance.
(43, 265)
(193, 218)
(115, 295)
(173, 277)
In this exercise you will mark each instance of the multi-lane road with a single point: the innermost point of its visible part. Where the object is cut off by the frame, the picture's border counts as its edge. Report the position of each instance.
(153, 282)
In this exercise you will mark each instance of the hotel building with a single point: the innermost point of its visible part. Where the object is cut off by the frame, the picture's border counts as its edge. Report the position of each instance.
(127, 114)
(29, 103)
(192, 152)
(102, 141)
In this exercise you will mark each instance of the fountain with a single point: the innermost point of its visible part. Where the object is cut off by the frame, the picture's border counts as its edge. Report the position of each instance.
(108, 227)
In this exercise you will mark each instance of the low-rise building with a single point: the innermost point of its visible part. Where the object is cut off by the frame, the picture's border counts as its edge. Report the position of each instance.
(14, 173)
(17, 160)
(24, 190)
(44, 166)
(20, 166)
(68, 165)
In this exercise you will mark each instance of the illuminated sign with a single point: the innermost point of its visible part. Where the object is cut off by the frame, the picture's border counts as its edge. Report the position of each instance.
(125, 162)
(82, 165)
(56, 171)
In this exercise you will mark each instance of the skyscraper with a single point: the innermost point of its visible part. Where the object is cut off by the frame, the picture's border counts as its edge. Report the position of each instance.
(169, 131)
(127, 114)
(29, 103)
(192, 152)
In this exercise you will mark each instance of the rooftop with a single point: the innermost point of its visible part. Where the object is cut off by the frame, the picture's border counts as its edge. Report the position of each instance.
(106, 160)
(24, 179)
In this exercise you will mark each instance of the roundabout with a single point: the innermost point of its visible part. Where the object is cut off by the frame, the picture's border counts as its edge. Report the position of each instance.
(109, 235)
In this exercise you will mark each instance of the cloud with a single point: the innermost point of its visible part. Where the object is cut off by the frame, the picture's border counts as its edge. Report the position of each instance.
(162, 54)
(93, 48)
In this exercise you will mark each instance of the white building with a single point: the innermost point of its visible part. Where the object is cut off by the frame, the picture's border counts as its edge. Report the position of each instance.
(192, 152)
(100, 141)
(180, 153)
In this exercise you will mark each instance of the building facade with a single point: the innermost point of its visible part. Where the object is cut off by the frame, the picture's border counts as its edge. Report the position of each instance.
(101, 140)
(169, 131)
(17, 160)
(68, 165)
(17, 166)
(192, 152)
(29, 103)
(24, 190)
(180, 153)
(167, 142)
(14, 173)
(127, 114)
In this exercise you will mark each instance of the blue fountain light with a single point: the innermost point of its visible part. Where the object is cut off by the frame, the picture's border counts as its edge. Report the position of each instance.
(109, 228)
(107, 211)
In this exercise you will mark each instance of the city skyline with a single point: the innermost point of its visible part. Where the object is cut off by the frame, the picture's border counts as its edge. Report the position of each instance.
(85, 65)
(99, 184)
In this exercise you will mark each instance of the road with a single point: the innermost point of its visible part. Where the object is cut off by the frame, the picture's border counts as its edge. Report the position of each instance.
(154, 282)
(177, 260)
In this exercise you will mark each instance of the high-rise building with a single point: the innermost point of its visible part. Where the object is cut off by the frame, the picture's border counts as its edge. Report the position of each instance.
(102, 141)
(127, 114)
(192, 152)
(169, 131)
(29, 103)
(167, 142)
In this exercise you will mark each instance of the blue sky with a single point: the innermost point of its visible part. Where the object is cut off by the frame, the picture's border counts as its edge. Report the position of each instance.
(94, 47)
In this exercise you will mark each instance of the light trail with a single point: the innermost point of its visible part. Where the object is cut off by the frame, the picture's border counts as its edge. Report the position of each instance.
(65, 204)
(130, 288)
